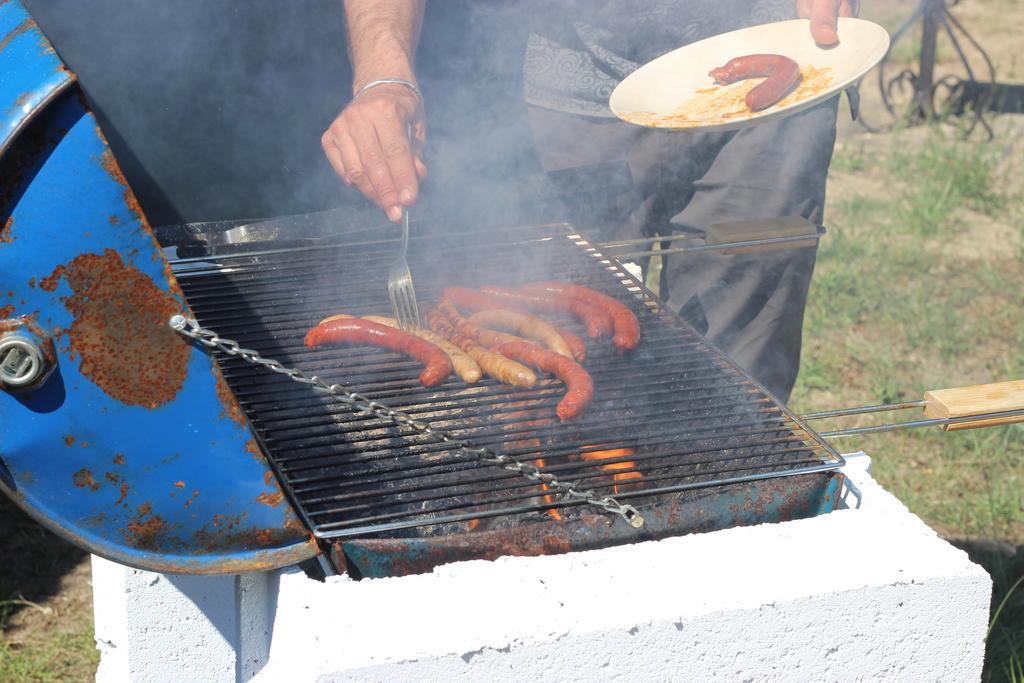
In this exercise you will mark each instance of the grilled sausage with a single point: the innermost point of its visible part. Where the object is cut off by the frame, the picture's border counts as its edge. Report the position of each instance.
(465, 367)
(470, 299)
(575, 344)
(579, 385)
(627, 327)
(488, 338)
(596, 320)
(357, 331)
(525, 325)
(493, 364)
(781, 75)
(473, 300)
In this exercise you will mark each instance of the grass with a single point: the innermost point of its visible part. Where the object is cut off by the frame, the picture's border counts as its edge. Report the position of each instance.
(918, 287)
(946, 174)
(63, 656)
(45, 604)
(1005, 641)
(907, 52)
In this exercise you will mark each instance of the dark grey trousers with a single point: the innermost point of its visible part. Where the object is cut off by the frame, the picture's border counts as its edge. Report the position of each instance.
(750, 306)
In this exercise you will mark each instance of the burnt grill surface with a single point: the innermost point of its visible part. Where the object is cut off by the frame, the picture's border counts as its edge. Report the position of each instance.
(688, 416)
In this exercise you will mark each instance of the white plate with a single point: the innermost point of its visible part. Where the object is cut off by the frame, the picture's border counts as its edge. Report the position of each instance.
(675, 91)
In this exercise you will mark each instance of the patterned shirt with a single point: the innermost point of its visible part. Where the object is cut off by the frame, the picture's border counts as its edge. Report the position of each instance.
(579, 50)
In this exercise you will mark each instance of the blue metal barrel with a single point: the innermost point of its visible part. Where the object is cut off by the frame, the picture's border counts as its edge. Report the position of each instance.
(115, 432)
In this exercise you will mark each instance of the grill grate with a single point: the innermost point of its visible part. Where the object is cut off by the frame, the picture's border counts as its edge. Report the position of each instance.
(673, 416)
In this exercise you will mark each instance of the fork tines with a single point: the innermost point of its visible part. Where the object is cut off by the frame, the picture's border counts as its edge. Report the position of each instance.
(403, 303)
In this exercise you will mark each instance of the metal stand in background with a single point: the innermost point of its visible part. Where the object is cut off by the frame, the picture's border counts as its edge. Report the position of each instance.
(960, 95)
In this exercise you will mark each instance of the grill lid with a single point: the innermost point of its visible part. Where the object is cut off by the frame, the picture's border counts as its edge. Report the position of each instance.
(96, 390)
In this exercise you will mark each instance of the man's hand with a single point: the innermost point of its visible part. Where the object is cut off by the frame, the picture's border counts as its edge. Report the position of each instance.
(368, 146)
(824, 16)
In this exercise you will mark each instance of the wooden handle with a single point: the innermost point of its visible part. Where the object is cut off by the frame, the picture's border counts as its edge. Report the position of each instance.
(977, 400)
(790, 226)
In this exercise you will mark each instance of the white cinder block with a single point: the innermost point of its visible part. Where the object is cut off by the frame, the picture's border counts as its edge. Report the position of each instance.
(158, 628)
(858, 594)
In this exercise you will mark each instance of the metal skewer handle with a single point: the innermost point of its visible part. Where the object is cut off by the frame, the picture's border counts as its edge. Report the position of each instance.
(791, 232)
(982, 405)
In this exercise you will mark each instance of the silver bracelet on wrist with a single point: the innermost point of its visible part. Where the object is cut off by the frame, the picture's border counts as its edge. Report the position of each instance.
(389, 81)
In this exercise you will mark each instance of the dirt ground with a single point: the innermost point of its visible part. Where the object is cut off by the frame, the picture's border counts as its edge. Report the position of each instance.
(45, 604)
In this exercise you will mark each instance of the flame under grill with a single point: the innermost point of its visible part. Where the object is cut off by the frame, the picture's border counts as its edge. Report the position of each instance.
(674, 416)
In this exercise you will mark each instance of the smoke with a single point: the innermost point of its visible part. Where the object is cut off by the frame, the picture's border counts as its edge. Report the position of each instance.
(215, 111)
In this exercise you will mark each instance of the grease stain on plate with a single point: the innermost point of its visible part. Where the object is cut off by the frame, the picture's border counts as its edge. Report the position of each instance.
(724, 103)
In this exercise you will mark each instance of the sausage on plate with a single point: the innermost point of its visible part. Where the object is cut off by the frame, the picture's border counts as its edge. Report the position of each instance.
(357, 331)
(781, 75)
(579, 385)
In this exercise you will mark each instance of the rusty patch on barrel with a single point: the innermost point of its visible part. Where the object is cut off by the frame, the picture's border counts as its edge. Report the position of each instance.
(227, 398)
(120, 330)
(124, 494)
(218, 540)
(273, 499)
(49, 284)
(145, 529)
(7, 311)
(19, 102)
(253, 448)
(83, 479)
(109, 164)
(15, 32)
(5, 231)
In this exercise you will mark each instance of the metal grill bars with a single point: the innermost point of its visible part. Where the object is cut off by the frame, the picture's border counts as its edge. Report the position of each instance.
(675, 415)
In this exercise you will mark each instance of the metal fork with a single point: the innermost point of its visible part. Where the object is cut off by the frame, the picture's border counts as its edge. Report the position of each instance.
(400, 291)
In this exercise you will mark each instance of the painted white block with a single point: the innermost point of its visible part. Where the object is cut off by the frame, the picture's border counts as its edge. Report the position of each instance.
(161, 628)
(858, 594)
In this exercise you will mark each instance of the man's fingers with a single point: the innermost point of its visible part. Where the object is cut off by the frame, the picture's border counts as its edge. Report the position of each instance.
(368, 145)
(334, 157)
(394, 144)
(823, 15)
(353, 167)
(823, 22)
(375, 164)
(419, 142)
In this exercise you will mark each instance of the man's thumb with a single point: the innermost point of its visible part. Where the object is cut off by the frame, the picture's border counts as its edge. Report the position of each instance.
(823, 22)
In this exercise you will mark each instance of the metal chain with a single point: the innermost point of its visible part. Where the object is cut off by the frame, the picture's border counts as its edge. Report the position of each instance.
(361, 404)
